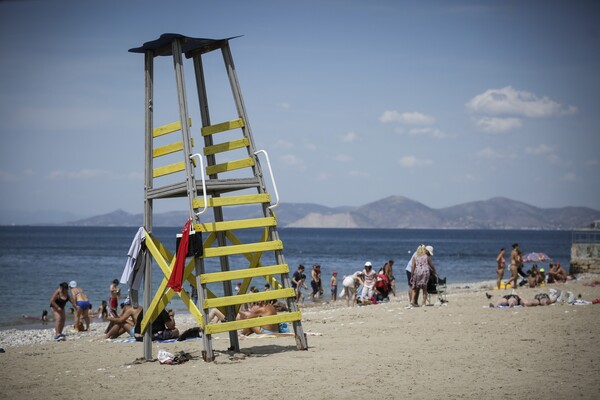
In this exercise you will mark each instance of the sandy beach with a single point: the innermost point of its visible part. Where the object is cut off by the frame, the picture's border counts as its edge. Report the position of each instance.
(458, 350)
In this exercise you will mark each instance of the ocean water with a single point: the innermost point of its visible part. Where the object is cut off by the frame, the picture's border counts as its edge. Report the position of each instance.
(34, 260)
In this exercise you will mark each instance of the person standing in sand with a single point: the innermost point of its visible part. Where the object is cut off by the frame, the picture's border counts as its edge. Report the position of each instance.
(351, 283)
(334, 286)
(514, 266)
(369, 283)
(82, 306)
(315, 281)
(58, 301)
(422, 267)
(500, 266)
(115, 293)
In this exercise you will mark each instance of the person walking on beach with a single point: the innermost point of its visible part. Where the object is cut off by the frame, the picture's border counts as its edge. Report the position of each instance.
(422, 267)
(411, 293)
(500, 266)
(82, 306)
(58, 301)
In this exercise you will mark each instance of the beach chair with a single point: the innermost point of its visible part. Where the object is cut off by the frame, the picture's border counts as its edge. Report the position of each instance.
(436, 286)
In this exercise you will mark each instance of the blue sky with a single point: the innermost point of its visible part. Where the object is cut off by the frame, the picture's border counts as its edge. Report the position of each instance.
(442, 102)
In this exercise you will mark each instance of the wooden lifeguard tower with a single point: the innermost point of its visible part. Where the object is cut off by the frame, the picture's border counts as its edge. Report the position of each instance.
(234, 180)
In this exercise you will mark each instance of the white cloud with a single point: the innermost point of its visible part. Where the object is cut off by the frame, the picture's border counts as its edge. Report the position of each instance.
(428, 131)
(359, 174)
(6, 176)
(293, 161)
(323, 176)
(497, 125)
(283, 144)
(343, 158)
(490, 153)
(349, 137)
(508, 101)
(410, 118)
(76, 175)
(412, 161)
(569, 177)
(542, 149)
(284, 105)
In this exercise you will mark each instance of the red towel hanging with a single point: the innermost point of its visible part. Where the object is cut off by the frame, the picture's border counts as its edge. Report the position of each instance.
(176, 278)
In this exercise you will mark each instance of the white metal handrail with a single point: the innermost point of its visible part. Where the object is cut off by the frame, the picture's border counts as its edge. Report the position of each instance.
(203, 183)
(272, 177)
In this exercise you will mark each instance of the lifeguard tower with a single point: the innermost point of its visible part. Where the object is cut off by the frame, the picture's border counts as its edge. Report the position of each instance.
(223, 176)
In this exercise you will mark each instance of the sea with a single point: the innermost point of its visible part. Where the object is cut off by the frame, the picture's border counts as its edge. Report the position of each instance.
(34, 260)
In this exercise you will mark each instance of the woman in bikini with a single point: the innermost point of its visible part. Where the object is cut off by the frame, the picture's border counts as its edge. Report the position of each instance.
(82, 307)
(57, 304)
(514, 265)
(501, 266)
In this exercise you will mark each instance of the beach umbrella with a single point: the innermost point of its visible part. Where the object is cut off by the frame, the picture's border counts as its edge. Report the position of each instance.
(536, 257)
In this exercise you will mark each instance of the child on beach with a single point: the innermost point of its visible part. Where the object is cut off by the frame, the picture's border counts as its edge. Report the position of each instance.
(334, 286)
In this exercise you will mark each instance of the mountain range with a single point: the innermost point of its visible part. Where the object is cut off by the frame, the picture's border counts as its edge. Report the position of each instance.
(390, 212)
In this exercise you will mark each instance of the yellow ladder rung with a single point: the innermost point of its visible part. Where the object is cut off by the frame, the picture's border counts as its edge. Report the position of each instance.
(244, 273)
(237, 224)
(230, 166)
(250, 323)
(168, 128)
(233, 200)
(222, 127)
(222, 147)
(170, 169)
(168, 149)
(249, 298)
(242, 249)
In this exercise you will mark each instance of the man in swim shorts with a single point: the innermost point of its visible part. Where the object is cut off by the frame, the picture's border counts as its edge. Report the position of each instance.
(259, 311)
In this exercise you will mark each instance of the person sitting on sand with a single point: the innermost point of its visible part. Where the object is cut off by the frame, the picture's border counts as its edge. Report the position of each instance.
(259, 311)
(163, 327)
(351, 284)
(57, 304)
(557, 273)
(124, 323)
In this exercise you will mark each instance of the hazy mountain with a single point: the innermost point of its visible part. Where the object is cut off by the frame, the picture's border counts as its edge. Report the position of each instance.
(391, 212)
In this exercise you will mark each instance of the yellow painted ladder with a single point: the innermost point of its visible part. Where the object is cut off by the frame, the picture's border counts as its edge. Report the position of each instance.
(235, 182)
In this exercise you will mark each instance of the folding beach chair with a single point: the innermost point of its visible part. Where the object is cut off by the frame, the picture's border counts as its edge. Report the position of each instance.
(436, 286)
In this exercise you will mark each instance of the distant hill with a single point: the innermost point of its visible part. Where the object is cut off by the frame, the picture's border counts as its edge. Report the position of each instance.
(391, 212)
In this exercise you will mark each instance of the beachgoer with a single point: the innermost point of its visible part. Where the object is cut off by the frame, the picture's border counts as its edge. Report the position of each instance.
(534, 276)
(412, 297)
(45, 317)
(238, 285)
(296, 281)
(163, 327)
(509, 300)
(520, 268)
(500, 266)
(422, 267)
(214, 316)
(259, 311)
(124, 323)
(334, 286)
(388, 271)
(351, 283)
(82, 306)
(115, 293)
(315, 281)
(369, 283)
(557, 273)
(103, 310)
(514, 266)
(58, 300)
(382, 287)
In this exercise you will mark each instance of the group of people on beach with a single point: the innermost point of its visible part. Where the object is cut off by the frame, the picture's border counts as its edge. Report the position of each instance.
(369, 287)
(82, 308)
(533, 277)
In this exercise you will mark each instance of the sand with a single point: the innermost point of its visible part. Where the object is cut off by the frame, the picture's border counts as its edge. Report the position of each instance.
(459, 350)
